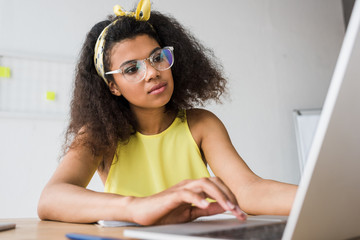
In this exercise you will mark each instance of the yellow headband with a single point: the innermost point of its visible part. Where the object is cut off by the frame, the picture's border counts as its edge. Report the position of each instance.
(142, 14)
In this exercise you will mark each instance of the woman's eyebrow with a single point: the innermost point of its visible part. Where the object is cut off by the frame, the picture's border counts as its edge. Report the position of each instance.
(133, 60)
(154, 50)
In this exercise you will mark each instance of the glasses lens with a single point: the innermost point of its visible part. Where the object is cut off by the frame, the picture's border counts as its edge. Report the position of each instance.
(133, 71)
(162, 59)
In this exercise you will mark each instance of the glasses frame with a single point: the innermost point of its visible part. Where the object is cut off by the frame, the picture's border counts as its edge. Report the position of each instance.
(170, 48)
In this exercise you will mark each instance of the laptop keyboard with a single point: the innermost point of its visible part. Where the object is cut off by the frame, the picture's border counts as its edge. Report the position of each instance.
(265, 232)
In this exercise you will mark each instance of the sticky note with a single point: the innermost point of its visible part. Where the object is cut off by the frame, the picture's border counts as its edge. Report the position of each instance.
(50, 96)
(4, 72)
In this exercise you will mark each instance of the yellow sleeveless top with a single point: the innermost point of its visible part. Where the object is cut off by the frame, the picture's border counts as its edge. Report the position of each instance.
(149, 164)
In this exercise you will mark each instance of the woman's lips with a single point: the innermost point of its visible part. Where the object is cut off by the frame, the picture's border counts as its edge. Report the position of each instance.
(159, 88)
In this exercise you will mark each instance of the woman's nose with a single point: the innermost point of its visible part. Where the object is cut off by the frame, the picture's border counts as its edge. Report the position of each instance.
(151, 72)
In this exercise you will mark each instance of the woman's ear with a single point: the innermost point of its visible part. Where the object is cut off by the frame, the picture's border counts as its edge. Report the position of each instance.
(114, 89)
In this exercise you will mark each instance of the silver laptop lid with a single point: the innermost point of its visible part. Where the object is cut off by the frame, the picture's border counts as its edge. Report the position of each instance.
(327, 205)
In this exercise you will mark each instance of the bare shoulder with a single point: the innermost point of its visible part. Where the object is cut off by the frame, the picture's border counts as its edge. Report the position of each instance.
(200, 121)
(200, 116)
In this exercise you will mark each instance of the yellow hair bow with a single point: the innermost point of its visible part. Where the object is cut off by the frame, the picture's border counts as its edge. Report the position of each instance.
(142, 11)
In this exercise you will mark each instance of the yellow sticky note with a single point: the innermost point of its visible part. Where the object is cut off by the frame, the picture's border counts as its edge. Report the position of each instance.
(50, 96)
(4, 72)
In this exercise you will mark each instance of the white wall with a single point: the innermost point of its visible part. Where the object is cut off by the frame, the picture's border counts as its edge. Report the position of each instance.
(278, 56)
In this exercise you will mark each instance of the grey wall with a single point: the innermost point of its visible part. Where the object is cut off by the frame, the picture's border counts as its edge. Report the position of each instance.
(277, 55)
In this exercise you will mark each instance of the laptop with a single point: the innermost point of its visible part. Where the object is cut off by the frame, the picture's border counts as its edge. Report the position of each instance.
(327, 203)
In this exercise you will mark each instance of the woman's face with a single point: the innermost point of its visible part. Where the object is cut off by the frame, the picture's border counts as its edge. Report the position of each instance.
(155, 90)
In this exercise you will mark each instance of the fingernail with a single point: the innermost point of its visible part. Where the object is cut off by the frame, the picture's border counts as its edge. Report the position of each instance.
(241, 212)
(204, 203)
(230, 204)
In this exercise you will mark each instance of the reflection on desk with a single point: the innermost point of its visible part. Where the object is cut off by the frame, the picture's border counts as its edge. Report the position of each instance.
(35, 229)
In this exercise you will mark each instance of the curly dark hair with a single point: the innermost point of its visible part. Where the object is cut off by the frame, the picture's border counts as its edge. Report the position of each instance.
(99, 119)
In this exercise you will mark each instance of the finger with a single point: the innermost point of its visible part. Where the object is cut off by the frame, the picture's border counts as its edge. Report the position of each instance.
(225, 189)
(239, 214)
(214, 208)
(233, 204)
(192, 197)
(180, 214)
(212, 190)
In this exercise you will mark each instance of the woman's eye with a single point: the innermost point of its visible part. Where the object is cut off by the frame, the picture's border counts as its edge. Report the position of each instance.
(158, 57)
(132, 69)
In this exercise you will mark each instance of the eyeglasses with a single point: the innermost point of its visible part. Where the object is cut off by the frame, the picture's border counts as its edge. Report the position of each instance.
(135, 70)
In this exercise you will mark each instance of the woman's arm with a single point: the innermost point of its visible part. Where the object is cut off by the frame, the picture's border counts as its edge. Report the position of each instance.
(254, 194)
(65, 197)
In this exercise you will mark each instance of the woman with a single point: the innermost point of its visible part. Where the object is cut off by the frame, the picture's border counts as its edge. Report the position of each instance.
(133, 121)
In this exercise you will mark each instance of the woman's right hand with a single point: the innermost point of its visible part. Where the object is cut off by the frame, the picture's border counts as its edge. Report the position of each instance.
(185, 202)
